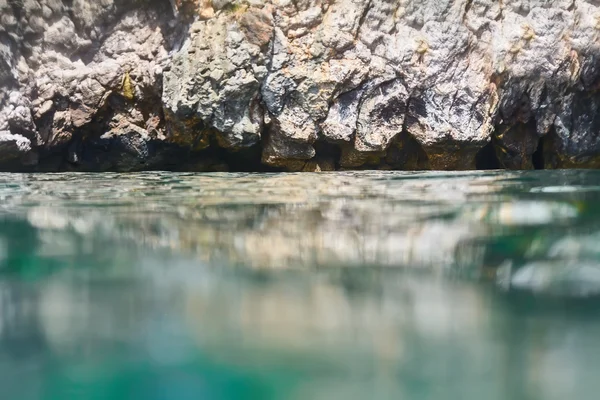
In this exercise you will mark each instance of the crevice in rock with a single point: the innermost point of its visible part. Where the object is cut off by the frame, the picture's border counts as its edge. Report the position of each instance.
(500, 15)
(18, 7)
(211, 159)
(486, 158)
(422, 159)
(537, 158)
(244, 160)
(362, 19)
(515, 143)
(328, 153)
(408, 141)
(468, 5)
(548, 144)
(406, 154)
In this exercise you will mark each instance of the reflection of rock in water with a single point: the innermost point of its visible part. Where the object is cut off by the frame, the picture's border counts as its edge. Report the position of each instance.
(21, 334)
(23, 345)
(429, 329)
(19, 241)
(22, 340)
(334, 233)
(439, 221)
(277, 236)
(80, 319)
(336, 278)
(399, 325)
(559, 277)
(323, 310)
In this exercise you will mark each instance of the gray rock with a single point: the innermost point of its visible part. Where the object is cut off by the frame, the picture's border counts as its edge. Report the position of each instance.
(13, 147)
(411, 84)
(211, 79)
(340, 125)
(577, 132)
(381, 116)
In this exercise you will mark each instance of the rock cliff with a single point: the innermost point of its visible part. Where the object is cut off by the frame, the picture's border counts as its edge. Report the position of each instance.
(298, 85)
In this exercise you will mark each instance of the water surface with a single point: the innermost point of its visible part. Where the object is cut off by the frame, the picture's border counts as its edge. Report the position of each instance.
(300, 286)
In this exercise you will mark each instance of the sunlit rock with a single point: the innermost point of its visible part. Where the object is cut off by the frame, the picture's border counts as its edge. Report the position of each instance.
(191, 79)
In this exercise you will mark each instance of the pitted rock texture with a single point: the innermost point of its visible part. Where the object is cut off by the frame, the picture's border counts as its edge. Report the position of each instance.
(304, 85)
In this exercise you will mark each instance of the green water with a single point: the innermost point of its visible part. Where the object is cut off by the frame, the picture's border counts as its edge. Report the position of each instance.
(368, 285)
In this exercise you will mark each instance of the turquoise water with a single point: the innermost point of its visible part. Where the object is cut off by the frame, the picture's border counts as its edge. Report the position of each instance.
(362, 285)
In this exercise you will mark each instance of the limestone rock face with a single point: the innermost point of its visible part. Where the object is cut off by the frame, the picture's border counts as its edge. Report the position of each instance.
(296, 85)
(68, 68)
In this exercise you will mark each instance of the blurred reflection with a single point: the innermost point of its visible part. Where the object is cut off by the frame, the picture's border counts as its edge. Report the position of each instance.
(320, 286)
(435, 221)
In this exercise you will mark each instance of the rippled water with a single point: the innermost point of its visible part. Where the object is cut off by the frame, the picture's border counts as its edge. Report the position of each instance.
(300, 286)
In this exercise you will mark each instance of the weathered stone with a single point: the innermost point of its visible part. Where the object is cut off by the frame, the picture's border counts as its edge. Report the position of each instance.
(381, 116)
(281, 150)
(212, 80)
(352, 158)
(415, 84)
(515, 146)
(13, 146)
(406, 154)
(340, 125)
(576, 140)
(257, 25)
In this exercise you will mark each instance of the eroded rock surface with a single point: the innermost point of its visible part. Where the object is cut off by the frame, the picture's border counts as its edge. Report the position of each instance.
(303, 85)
